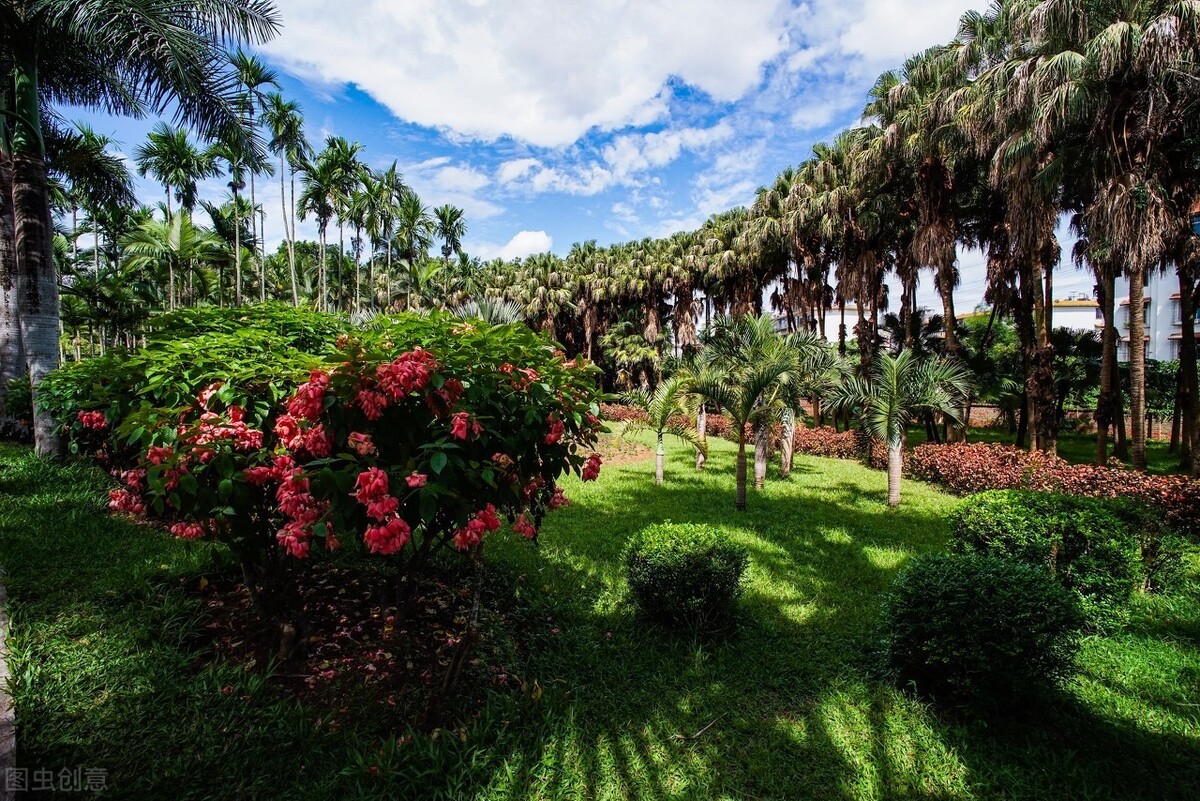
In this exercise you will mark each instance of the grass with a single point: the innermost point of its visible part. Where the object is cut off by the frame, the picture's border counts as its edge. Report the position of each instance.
(1075, 448)
(612, 709)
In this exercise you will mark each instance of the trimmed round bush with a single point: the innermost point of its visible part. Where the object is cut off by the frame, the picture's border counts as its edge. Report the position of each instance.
(1083, 542)
(980, 629)
(685, 576)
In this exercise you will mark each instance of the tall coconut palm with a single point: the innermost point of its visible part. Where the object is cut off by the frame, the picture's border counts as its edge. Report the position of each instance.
(319, 187)
(898, 390)
(253, 76)
(284, 120)
(414, 230)
(666, 411)
(450, 227)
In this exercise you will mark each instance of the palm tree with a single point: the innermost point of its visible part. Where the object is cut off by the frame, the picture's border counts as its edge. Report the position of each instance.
(898, 390)
(414, 229)
(743, 367)
(666, 412)
(450, 227)
(252, 75)
(175, 244)
(169, 155)
(319, 187)
(286, 124)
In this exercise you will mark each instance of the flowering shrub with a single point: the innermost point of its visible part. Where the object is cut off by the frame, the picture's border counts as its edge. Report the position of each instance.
(825, 441)
(418, 434)
(967, 468)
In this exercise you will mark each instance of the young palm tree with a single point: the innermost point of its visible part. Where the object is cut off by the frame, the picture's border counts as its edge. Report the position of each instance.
(667, 410)
(898, 390)
(319, 186)
(744, 367)
(176, 244)
(253, 76)
(414, 229)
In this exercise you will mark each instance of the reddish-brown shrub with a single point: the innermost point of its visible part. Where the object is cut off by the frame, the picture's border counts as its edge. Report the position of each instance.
(967, 468)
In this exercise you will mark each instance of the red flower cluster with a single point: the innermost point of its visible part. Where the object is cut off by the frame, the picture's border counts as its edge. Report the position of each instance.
(122, 500)
(521, 377)
(93, 420)
(591, 470)
(462, 426)
(188, 531)
(297, 503)
(417, 480)
(371, 490)
(309, 400)
(361, 444)
(481, 522)
(387, 538)
(214, 429)
(524, 527)
(409, 373)
(965, 468)
(556, 429)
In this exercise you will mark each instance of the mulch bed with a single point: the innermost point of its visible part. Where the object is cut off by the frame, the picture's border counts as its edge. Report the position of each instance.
(360, 655)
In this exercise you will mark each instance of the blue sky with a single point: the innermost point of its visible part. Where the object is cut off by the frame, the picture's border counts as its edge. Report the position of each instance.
(555, 121)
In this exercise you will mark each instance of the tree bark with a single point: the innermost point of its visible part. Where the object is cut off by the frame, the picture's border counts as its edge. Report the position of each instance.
(1189, 446)
(895, 467)
(659, 453)
(702, 427)
(762, 442)
(12, 355)
(740, 498)
(1106, 399)
(787, 438)
(1137, 364)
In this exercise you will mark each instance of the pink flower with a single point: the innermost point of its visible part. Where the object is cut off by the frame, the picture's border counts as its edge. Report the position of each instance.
(558, 499)
(309, 400)
(556, 430)
(371, 485)
(259, 475)
(122, 500)
(489, 518)
(294, 537)
(158, 454)
(134, 479)
(524, 527)
(382, 507)
(207, 393)
(289, 432)
(317, 441)
(591, 470)
(417, 480)
(387, 538)
(463, 427)
(93, 420)
(442, 401)
(361, 444)
(372, 403)
(188, 531)
(470, 535)
(409, 373)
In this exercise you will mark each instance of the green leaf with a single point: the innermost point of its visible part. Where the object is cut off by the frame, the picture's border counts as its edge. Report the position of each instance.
(438, 463)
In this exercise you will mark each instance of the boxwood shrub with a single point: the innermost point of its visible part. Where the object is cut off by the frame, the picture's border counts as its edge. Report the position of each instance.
(980, 630)
(685, 576)
(1083, 542)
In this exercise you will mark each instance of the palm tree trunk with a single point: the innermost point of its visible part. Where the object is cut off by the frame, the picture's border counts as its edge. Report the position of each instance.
(702, 427)
(658, 460)
(237, 252)
(762, 441)
(1106, 401)
(895, 468)
(786, 445)
(12, 356)
(1189, 446)
(291, 235)
(1137, 364)
(321, 278)
(37, 281)
(740, 474)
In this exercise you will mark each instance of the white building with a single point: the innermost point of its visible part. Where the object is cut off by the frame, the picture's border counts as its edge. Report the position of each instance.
(1163, 317)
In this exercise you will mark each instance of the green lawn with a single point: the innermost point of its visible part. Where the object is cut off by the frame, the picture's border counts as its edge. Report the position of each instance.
(1076, 448)
(790, 705)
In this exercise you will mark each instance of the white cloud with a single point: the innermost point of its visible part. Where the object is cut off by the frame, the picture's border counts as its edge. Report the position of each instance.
(439, 180)
(515, 169)
(523, 243)
(542, 71)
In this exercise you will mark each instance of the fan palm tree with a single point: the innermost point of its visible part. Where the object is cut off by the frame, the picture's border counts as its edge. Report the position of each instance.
(898, 390)
(666, 412)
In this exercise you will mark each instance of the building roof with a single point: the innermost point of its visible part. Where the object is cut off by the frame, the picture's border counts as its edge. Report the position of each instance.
(1072, 304)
